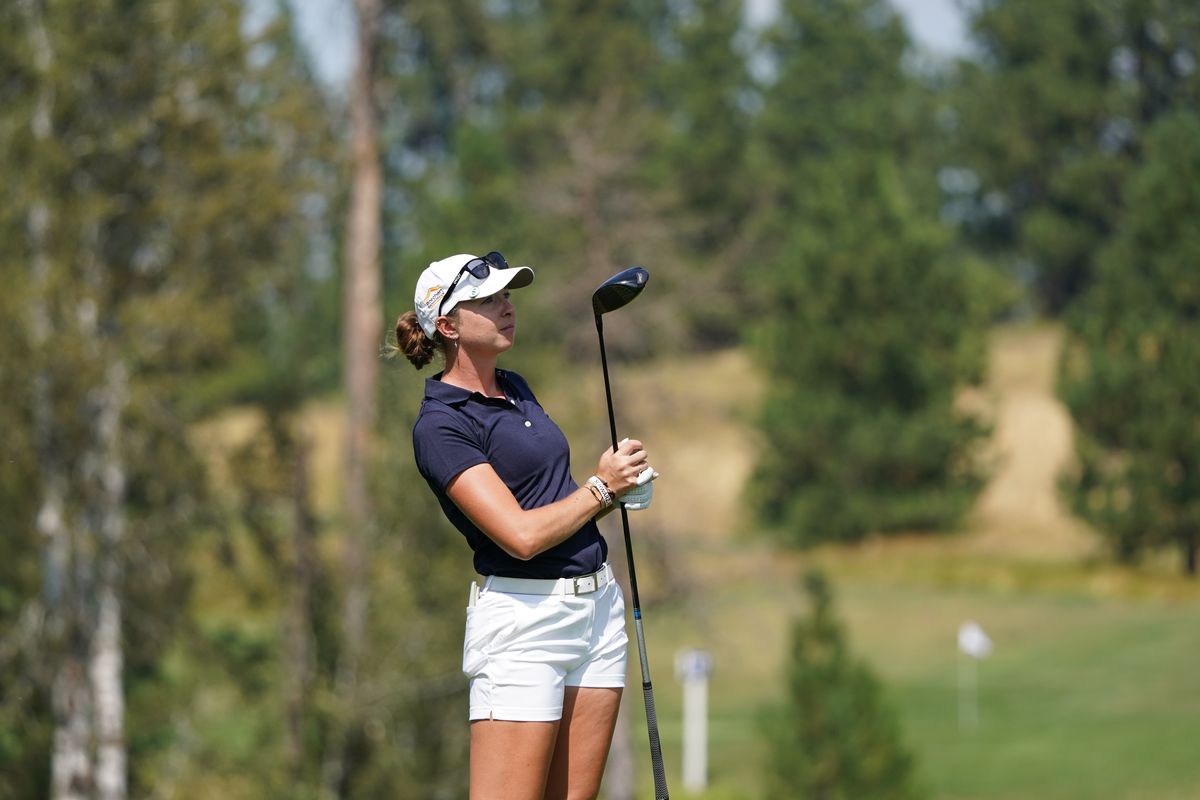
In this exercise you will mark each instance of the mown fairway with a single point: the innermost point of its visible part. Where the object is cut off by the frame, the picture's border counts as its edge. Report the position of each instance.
(1085, 696)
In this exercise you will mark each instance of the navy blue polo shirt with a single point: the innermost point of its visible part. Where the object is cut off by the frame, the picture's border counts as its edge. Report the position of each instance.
(457, 429)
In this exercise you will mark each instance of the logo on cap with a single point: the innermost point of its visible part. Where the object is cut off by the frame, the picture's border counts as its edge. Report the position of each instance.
(432, 295)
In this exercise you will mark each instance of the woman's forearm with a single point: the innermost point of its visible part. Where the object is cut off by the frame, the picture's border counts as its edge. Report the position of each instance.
(521, 533)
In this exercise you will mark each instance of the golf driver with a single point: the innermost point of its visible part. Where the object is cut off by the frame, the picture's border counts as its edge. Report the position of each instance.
(618, 291)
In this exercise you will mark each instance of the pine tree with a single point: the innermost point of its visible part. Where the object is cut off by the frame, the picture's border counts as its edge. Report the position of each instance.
(871, 321)
(554, 159)
(706, 89)
(1052, 114)
(1129, 374)
(705, 83)
(834, 736)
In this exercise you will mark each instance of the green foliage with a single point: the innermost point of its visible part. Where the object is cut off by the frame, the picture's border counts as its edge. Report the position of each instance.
(707, 96)
(414, 732)
(872, 321)
(836, 83)
(167, 156)
(24, 770)
(1053, 114)
(834, 736)
(877, 329)
(578, 138)
(1128, 374)
(705, 84)
(286, 323)
(583, 123)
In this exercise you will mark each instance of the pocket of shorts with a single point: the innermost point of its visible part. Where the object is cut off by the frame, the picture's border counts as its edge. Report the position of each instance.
(486, 621)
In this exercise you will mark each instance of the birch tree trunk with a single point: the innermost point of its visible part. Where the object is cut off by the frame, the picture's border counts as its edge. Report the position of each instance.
(70, 758)
(71, 763)
(107, 501)
(81, 561)
(101, 489)
(362, 315)
(106, 668)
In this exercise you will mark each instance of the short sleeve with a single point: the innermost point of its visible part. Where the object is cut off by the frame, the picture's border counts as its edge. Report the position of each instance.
(445, 444)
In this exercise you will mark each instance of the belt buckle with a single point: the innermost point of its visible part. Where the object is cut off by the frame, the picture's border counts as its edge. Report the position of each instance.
(585, 584)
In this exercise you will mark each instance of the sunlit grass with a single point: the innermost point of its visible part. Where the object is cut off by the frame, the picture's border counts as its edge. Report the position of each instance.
(1086, 695)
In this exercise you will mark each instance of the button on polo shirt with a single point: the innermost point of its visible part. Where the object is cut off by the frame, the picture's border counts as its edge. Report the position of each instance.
(457, 429)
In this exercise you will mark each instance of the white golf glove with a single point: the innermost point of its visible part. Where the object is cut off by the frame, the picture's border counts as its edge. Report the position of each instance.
(639, 496)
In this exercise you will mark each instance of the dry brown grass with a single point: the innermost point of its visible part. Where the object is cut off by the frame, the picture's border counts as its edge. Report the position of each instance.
(695, 414)
(1020, 512)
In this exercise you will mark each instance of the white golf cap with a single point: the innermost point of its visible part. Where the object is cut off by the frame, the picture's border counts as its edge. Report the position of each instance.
(439, 275)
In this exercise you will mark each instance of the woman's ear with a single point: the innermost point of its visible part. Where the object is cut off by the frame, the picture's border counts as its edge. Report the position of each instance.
(445, 326)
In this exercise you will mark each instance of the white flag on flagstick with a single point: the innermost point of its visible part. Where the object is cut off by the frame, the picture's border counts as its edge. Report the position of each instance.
(976, 645)
(973, 641)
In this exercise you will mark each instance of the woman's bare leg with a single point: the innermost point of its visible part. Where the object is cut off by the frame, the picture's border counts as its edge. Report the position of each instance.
(510, 760)
(589, 716)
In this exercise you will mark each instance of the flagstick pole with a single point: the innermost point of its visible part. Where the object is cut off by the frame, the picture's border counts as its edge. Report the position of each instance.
(968, 692)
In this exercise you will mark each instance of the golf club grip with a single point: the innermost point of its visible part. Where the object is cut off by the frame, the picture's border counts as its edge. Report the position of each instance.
(656, 759)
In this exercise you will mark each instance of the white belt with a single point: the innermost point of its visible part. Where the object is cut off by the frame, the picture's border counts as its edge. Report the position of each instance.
(582, 584)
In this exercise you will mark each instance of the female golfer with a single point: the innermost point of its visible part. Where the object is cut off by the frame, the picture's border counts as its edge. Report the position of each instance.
(545, 638)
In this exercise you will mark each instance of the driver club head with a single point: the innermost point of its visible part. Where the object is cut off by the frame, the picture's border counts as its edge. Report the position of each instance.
(619, 290)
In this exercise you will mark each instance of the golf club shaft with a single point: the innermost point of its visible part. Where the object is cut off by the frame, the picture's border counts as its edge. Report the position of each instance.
(656, 760)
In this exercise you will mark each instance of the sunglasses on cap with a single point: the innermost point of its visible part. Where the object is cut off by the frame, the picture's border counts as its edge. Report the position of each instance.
(478, 268)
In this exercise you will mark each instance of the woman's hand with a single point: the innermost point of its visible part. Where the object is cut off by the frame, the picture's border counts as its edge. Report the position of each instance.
(640, 496)
(620, 469)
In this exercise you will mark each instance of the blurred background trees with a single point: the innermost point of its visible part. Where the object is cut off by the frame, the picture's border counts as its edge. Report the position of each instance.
(134, 281)
(1128, 372)
(173, 579)
(871, 321)
(1052, 118)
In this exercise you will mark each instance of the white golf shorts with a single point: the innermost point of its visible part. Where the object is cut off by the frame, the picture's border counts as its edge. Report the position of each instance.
(522, 650)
